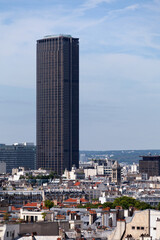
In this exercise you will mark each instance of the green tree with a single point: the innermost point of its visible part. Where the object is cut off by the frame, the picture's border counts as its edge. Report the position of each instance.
(108, 204)
(144, 206)
(52, 175)
(125, 202)
(158, 206)
(48, 204)
(44, 215)
(22, 177)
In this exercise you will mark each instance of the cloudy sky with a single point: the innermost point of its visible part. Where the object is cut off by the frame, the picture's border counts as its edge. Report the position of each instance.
(119, 68)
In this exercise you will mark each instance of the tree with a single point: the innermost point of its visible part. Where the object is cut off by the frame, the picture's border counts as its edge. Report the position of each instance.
(22, 177)
(52, 175)
(6, 216)
(108, 204)
(125, 202)
(44, 215)
(158, 206)
(48, 204)
(143, 205)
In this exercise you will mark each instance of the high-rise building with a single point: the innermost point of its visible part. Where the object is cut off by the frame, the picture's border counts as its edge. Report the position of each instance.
(18, 155)
(58, 103)
(150, 165)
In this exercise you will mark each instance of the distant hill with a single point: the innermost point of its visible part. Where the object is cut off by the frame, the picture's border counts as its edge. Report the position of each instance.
(127, 156)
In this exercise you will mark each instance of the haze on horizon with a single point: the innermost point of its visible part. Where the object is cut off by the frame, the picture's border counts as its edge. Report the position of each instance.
(119, 69)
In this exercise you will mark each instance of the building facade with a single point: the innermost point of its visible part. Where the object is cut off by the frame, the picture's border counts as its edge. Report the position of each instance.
(18, 155)
(150, 165)
(2, 168)
(58, 103)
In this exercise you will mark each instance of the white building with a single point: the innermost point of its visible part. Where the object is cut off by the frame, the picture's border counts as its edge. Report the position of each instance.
(134, 168)
(90, 172)
(35, 215)
(9, 231)
(74, 174)
(100, 167)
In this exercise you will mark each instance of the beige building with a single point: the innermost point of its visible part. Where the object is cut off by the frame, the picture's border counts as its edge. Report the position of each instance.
(143, 225)
(138, 225)
(74, 174)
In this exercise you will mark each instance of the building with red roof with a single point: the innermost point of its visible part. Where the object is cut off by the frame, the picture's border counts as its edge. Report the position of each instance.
(70, 201)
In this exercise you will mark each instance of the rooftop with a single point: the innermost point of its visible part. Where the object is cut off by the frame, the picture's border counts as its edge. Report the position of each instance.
(57, 36)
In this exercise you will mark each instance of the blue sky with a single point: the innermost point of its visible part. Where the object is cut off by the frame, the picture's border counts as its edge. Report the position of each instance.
(119, 68)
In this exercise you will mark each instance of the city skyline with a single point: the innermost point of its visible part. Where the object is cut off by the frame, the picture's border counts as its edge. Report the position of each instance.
(119, 69)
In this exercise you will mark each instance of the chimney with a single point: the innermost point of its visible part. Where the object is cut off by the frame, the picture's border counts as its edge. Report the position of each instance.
(92, 216)
(105, 219)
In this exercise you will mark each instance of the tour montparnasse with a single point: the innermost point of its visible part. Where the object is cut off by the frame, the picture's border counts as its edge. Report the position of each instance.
(58, 103)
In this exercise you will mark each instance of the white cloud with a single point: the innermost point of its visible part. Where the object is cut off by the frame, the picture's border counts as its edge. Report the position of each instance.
(110, 31)
(94, 3)
(88, 5)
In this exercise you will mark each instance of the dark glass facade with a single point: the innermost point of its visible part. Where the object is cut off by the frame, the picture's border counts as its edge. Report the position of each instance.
(150, 165)
(58, 103)
(18, 155)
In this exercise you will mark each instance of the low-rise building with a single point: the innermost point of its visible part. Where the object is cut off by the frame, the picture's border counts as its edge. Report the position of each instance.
(74, 174)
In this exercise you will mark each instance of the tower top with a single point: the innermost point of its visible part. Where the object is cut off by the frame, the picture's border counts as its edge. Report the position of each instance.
(57, 36)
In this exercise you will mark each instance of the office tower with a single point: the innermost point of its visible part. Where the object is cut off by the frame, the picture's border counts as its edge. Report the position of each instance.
(58, 103)
(150, 165)
(18, 155)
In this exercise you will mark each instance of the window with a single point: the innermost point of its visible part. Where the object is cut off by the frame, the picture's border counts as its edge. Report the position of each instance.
(142, 228)
(133, 227)
(138, 228)
(7, 234)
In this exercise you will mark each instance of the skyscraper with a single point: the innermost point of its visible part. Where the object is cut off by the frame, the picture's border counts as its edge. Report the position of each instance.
(150, 165)
(58, 102)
